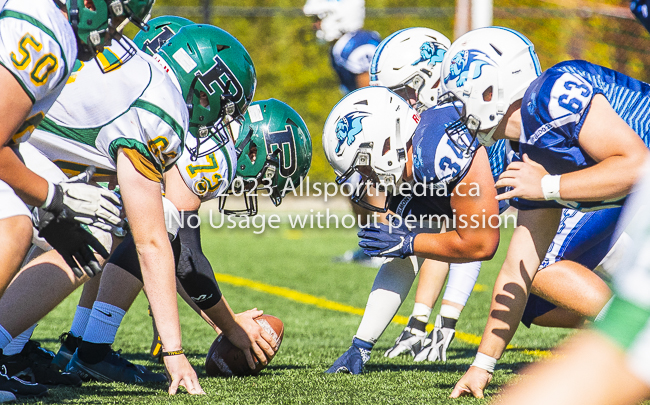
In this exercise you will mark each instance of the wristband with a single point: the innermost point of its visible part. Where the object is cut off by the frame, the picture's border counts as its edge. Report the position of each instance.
(50, 195)
(551, 187)
(173, 353)
(484, 361)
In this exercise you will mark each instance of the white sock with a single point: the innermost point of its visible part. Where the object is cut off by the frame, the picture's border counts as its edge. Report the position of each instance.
(421, 312)
(448, 311)
(104, 321)
(603, 311)
(5, 337)
(17, 344)
(391, 286)
(80, 321)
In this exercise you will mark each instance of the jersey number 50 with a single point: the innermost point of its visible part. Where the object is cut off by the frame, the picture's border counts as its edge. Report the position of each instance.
(45, 65)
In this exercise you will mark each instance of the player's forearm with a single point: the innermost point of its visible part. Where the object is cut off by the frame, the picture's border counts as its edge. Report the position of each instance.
(158, 274)
(29, 186)
(508, 302)
(453, 247)
(222, 316)
(614, 177)
(186, 297)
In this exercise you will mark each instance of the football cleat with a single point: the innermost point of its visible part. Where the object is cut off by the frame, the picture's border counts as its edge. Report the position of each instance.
(410, 340)
(114, 368)
(69, 344)
(436, 344)
(353, 360)
(18, 387)
(34, 364)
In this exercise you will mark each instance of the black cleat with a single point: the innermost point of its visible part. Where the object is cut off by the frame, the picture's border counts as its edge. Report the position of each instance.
(34, 364)
(20, 388)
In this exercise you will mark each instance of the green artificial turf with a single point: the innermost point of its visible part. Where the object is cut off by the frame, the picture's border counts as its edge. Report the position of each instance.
(301, 260)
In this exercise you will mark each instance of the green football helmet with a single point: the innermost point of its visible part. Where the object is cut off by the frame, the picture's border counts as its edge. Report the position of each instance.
(274, 150)
(91, 25)
(209, 62)
(161, 29)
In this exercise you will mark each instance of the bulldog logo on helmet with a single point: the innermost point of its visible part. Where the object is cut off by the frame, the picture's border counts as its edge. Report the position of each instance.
(467, 64)
(347, 128)
(431, 52)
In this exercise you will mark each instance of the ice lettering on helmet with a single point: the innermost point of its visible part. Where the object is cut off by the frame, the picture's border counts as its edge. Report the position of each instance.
(154, 45)
(431, 52)
(467, 64)
(284, 140)
(347, 128)
(221, 75)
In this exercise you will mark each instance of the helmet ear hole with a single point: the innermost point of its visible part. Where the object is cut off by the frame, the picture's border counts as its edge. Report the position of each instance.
(487, 94)
(252, 152)
(386, 147)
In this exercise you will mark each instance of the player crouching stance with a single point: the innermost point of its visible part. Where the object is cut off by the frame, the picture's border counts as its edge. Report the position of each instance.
(375, 133)
(267, 124)
(138, 139)
(582, 145)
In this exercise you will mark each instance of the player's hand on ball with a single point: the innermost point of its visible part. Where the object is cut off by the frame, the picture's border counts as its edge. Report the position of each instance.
(181, 373)
(252, 339)
(525, 178)
(472, 383)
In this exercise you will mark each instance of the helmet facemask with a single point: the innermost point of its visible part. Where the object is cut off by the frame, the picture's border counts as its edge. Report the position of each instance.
(411, 90)
(464, 132)
(369, 177)
(266, 179)
(273, 154)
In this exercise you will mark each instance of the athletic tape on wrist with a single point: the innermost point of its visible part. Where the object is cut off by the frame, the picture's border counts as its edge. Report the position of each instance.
(485, 362)
(551, 187)
(50, 195)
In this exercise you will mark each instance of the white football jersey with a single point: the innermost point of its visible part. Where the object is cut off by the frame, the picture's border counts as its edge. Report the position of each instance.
(211, 175)
(38, 46)
(135, 107)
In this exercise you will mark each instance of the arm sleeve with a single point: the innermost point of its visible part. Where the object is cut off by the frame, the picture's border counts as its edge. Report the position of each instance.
(193, 268)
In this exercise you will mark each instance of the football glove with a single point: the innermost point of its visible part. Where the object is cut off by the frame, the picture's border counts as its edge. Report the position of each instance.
(353, 360)
(386, 241)
(71, 241)
(436, 344)
(410, 340)
(73, 200)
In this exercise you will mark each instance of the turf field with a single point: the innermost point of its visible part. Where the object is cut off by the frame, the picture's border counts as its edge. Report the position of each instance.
(289, 273)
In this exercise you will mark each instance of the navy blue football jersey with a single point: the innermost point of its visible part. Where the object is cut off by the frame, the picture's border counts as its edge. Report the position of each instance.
(439, 165)
(553, 112)
(351, 55)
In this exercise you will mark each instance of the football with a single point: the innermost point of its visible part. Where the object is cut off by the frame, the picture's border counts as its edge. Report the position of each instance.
(225, 359)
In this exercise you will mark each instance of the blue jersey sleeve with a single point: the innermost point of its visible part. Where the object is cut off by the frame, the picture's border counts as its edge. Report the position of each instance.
(553, 111)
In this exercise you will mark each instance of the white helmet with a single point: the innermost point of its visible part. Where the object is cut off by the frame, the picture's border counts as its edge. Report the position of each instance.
(337, 16)
(409, 62)
(489, 69)
(366, 132)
